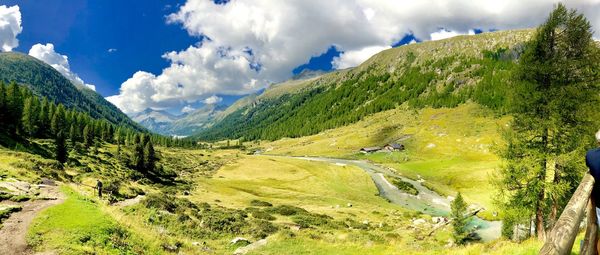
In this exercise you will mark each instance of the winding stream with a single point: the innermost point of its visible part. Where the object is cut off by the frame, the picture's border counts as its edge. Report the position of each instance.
(427, 201)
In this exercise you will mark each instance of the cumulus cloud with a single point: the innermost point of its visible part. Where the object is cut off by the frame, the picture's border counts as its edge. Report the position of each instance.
(213, 100)
(10, 27)
(187, 109)
(60, 62)
(244, 45)
(355, 57)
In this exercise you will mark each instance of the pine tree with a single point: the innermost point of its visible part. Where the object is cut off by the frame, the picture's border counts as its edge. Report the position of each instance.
(459, 217)
(88, 138)
(61, 147)
(149, 157)
(554, 116)
(43, 118)
(29, 118)
(58, 122)
(73, 136)
(138, 153)
(2, 102)
(14, 106)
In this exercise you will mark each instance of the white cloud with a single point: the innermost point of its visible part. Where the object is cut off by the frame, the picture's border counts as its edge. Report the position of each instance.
(213, 100)
(256, 42)
(445, 34)
(60, 62)
(10, 27)
(187, 109)
(355, 57)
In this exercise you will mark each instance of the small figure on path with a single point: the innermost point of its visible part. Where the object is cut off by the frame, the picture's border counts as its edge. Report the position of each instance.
(99, 187)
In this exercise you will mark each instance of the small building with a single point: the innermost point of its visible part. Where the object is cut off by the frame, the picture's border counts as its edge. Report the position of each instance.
(369, 149)
(393, 147)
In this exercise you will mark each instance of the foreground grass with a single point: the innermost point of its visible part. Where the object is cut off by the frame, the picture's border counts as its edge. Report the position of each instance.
(78, 226)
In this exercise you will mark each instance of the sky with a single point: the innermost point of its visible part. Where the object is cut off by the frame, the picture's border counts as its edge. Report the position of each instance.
(179, 55)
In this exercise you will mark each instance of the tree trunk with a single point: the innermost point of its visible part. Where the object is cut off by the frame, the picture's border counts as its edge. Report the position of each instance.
(539, 214)
(554, 209)
(539, 218)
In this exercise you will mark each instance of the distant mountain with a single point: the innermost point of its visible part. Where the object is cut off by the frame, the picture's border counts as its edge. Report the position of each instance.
(444, 73)
(45, 81)
(186, 124)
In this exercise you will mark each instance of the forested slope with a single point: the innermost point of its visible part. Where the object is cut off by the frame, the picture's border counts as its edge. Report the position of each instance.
(45, 81)
(442, 73)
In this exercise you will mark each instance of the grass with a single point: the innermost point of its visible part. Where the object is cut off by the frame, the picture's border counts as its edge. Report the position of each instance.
(450, 148)
(79, 226)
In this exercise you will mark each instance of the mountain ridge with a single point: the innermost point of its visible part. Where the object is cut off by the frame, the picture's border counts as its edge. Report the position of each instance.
(45, 81)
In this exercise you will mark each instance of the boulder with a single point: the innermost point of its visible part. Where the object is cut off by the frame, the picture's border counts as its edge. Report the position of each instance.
(240, 240)
(248, 248)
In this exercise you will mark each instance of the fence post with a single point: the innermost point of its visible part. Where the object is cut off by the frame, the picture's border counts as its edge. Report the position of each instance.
(591, 232)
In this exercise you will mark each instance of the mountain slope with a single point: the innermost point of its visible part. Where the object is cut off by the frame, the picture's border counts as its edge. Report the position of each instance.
(441, 73)
(45, 81)
(182, 125)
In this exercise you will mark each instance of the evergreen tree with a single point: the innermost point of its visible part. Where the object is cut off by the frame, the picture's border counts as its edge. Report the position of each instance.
(138, 153)
(2, 102)
(73, 136)
(29, 118)
(58, 122)
(43, 118)
(14, 106)
(554, 117)
(61, 147)
(149, 157)
(88, 137)
(459, 217)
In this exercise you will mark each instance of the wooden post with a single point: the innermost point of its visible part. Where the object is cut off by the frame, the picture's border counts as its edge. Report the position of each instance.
(591, 232)
(560, 239)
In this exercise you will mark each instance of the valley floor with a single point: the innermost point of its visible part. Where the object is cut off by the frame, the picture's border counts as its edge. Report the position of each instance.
(279, 204)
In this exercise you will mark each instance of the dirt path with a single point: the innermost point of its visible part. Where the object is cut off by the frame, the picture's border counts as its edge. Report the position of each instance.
(14, 229)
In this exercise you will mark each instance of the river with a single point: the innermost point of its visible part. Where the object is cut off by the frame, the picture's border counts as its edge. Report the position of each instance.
(427, 201)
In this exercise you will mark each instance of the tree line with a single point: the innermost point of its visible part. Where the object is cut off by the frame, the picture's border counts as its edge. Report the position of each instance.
(23, 114)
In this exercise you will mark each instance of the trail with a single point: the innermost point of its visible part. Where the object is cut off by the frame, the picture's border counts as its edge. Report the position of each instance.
(14, 229)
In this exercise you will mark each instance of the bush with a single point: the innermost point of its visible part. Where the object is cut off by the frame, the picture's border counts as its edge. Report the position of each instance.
(263, 215)
(286, 210)
(260, 203)
(262, 228)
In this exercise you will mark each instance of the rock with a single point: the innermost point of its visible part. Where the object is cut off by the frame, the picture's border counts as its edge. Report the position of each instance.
(365, 222)
(349, 205)
(437, 220)
(246, 249)
(239, 240)
(419, 222)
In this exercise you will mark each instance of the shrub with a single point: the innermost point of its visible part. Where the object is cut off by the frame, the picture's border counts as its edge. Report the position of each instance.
(286, 210)
(260, 203)
(262, 229)
(263, 215)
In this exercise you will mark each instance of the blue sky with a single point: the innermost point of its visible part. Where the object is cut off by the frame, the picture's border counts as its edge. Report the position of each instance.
(161, 59)
(86, 30)
(139, 34)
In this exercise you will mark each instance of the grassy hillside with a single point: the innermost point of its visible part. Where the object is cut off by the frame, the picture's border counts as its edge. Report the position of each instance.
(442, 73)
(299, 206)
(45, 81)
(452, 149)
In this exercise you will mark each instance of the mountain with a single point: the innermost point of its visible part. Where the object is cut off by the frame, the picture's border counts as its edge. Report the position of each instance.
(45, 81)
(154, 120)
(442, 73)
(180, 125)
